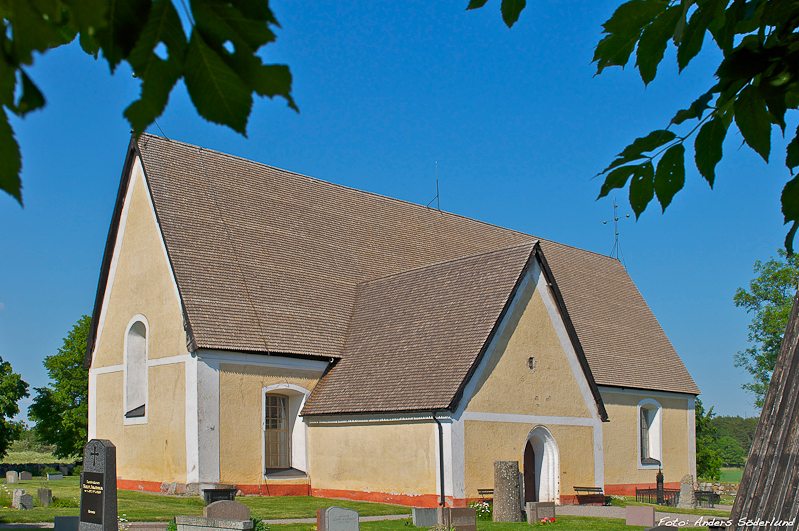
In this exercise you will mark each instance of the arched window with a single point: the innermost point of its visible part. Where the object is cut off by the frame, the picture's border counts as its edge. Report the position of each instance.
(136, 370)
(649, 434)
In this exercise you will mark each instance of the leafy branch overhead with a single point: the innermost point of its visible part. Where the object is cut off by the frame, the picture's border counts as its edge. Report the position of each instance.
(218, 60)
(755, 85)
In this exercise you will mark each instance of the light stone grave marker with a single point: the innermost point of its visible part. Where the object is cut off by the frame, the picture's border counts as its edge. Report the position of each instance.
(537, 511)
(15, 497)
(200, 523)
(54, 477)
(98, 487)
(687, 500)
(641, 516)
(336, 519)
(25, 476)
(12, 477)
(227, 510)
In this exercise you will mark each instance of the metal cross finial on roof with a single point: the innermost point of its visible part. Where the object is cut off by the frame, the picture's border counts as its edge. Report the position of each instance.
(616, 246)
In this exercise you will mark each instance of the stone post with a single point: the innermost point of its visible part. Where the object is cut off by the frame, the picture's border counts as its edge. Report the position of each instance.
(507, 505)
(659, 480)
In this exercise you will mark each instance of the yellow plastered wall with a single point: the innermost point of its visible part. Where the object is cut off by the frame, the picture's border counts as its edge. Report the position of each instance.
(155, 451)
(620, 438)
(486, 442)
(508, 386)
(142, 284)
(240, 416)
(374, 457)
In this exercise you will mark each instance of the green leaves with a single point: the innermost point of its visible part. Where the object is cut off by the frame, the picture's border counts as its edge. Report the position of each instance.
(708, 148)
(754, 120)
(218, 93)
(654, 40)
(220, 81)
(624, 29)
(642, 187)
(158, 75)
(511, 9)
(670, 176)
(9, 160)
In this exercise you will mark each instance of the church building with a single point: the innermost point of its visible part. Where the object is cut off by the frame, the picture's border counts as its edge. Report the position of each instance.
(289, 336)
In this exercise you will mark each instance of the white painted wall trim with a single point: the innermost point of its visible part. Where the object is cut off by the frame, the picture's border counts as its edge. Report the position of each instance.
(645, 392)
(372, 418)
(192, 424)
(92, 398)
(691, 414)
(208, 420)
(531, 419)
(655, 432)
(185, 358)
(108, 369)
(263, 360)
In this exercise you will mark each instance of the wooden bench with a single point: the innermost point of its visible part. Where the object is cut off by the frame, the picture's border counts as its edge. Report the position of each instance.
(486, 494)
(590, 495)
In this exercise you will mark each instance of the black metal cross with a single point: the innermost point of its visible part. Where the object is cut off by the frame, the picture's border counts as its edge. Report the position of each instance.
(94, 453)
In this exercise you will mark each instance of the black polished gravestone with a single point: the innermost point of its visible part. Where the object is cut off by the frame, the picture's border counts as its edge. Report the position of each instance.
(98, 487)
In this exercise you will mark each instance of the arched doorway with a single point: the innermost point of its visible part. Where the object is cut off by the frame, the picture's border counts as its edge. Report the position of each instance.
(541, 467)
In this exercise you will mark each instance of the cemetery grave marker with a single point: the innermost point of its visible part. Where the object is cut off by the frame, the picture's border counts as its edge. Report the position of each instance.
(227, 510)
(98, 487)
(45, 497)
(507, 503)
(25, 476)
(12, 477)
(54, 477)
(336, 519)
(15, 497)
(26, 502)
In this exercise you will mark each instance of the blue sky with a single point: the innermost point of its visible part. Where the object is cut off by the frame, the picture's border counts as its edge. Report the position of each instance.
(515, 120)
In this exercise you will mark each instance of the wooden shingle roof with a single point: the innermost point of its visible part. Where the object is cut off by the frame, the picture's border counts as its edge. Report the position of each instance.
(270, 261)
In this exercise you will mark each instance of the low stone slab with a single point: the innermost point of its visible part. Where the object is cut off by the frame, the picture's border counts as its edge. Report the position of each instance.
(12, 477)
(227, 510)
(200, 523)
(336, 519)
(537, 511)
(463, 519)
(25, 476)
(51, 476)
(15, 497)
(45, 497)
(425, 516)
(26, 502)
(641, 516)
(66, 523)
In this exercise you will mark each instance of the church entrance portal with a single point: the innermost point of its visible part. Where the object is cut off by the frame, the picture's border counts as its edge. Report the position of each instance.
(541, 467)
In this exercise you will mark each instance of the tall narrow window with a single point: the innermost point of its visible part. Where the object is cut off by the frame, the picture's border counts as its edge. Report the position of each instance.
(136, 370)
(277, 432)
(644, 434)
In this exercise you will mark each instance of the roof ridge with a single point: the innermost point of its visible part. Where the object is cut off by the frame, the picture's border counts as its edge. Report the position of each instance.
(366, 192)
(530, 243)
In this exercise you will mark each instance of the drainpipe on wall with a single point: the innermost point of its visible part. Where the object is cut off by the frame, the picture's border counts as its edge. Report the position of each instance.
(442, 503)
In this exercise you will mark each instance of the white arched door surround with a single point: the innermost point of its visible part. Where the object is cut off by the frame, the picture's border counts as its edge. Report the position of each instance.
(297, 427)
(541, 454)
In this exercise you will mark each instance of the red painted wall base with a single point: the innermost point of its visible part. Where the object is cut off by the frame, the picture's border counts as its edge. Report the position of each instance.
(629, 489)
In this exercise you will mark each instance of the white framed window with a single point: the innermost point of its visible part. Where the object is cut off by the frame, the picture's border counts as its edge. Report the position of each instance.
(650, 434)
(285, 434)
(135, 372)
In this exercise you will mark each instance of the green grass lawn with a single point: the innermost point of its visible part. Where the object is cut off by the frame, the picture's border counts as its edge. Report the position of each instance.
(571, 523)
(731, 475)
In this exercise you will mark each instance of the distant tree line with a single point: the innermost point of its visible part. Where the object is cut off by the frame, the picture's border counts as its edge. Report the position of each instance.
(733, 440)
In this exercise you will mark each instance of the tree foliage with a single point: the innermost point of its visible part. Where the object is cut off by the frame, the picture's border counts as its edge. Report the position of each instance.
(708, 462)
(769, 299)
(739, 428)
(757, 83)
(729, 451)
(61, 411)
(12, 389)
(217, 60)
